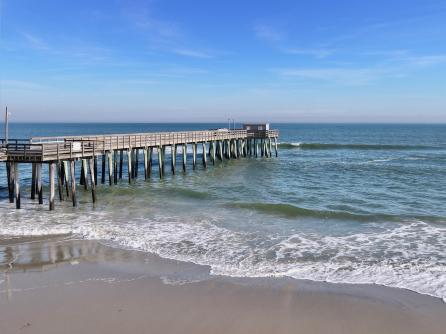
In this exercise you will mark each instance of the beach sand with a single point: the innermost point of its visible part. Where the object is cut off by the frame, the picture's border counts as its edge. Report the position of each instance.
(60, 285)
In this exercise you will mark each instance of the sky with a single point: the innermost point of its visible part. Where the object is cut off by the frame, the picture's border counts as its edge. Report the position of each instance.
(205, 61)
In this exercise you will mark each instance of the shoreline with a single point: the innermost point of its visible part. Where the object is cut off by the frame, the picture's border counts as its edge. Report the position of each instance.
(85, 280)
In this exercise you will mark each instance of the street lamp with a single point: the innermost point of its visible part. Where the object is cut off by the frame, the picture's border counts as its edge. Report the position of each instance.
(229, 124)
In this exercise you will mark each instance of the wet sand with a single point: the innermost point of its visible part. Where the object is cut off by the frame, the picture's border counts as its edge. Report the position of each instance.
(59, 285)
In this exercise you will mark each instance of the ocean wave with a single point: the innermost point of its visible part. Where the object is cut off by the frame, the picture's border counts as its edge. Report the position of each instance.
(338, 146)
(292, 211)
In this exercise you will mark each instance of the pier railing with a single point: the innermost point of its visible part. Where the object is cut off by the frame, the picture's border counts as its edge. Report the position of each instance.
(122, 141)
(263, 134)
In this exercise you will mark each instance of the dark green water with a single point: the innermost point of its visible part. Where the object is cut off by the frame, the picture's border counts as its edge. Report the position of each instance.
(342, 203)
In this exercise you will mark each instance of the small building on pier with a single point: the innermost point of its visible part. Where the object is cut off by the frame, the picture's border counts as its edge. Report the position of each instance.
(251, 127)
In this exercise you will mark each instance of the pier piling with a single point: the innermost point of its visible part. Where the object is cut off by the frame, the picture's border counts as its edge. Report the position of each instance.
(52, 186)
(65, 175)
(73, 181)
(160, 161)
(59, 181)
(10, 176)
(204, 155)
(17, 185)
(129, 164)
(39, 187)
(121, 163)
(184, 157)
(33, 181)
(92, 180)
(194, 155)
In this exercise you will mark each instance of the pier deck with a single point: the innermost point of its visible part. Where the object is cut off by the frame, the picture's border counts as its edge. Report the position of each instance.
(62, 153)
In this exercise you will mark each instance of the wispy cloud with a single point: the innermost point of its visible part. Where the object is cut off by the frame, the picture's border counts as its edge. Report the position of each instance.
(157, 28)
(395, 64)
(346, 76)
(268, 33)
(164, 35)
(427, 60)
(20, 84)
(35, 42)
(407, 58)
(318, 53)
(192, 53)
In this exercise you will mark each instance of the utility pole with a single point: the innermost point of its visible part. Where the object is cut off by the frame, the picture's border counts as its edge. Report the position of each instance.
(6, 125)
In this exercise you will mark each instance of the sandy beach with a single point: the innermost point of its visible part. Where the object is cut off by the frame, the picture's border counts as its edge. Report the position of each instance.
(60, 285)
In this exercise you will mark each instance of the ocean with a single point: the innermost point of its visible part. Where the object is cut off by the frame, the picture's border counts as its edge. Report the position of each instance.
(343, 203)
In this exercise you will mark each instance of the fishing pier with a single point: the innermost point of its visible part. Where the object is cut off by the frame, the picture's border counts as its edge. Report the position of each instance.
(110, 153)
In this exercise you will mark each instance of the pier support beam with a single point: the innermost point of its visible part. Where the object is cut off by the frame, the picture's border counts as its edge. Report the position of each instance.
(129, 164)
(205, 164)
(121, 163)
(103, 169)
(184, 157)
(194, 155)
(163, 158)
(92, 180)
(149, 170)
(17, 185)
(52, 167)
(10, 176)
(220, 150)
(270, 147)
(39, 187)
(60, 180)
(73, 180)
(173, 153)
(146, 163)
(110, 168)
(275, 147)
(160, 161)
(135, 169)
(228, 148)
(84, 173)
(65, 175)
(33, 181)
(115, 167)
(95, 165)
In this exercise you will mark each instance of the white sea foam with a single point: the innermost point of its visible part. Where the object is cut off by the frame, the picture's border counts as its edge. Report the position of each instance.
(410, 255)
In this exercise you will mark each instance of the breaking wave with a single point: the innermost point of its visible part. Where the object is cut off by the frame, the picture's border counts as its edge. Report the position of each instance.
(335, 146)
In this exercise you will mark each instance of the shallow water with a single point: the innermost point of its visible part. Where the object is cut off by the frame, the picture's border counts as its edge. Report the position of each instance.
(342, 203)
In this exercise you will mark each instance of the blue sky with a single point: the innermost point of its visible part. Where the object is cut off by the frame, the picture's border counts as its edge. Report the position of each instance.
(278, 61)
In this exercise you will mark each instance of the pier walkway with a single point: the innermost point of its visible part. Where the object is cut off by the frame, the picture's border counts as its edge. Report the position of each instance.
(62, 153)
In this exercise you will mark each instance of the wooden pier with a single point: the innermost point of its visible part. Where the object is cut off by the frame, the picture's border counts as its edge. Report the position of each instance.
(109, 153)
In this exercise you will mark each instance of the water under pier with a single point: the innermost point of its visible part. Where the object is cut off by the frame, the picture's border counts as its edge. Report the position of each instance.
(109, 153)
